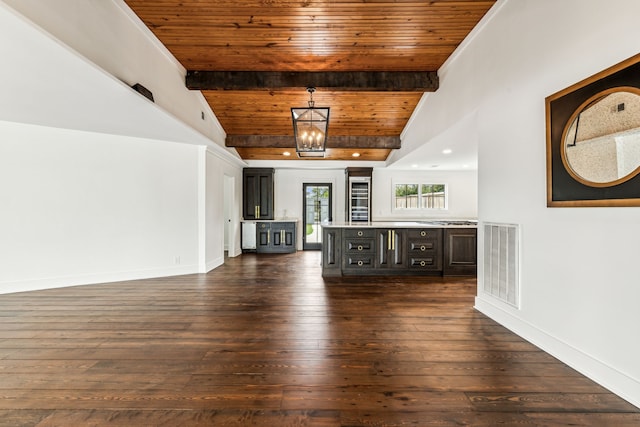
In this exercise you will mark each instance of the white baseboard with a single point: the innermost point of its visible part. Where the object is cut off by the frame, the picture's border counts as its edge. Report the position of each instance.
(214, 263)
(92, 279)
(617, 382)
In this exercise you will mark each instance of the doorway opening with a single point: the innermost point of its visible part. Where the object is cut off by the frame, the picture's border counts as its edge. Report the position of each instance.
(316, 205)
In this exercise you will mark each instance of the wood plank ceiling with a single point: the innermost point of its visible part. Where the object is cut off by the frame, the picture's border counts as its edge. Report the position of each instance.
(253, 60)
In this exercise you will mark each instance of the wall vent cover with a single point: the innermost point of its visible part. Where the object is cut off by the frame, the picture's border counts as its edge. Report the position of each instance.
(501, 262)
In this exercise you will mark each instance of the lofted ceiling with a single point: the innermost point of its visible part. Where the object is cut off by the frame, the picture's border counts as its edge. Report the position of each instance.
(370, 61)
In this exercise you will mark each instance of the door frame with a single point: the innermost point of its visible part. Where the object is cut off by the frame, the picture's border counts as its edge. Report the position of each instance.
(231, 223)
(313, 246)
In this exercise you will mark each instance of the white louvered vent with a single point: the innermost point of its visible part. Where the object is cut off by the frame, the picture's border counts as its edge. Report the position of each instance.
(501, 261)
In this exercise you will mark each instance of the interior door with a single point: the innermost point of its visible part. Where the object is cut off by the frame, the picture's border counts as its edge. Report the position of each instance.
(316, 204)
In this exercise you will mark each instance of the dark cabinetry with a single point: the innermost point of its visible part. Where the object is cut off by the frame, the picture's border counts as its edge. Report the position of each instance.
(391, 248)
(276, 237)
(331, 252)
(257, 196)
(358, 249)
(460, 251)
(398, 251)
(424, 249)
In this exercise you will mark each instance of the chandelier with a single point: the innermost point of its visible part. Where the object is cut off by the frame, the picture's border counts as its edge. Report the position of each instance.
(310, 128)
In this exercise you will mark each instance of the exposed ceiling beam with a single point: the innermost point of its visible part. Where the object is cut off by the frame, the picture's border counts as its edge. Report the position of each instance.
(394, 81)
(284, 141)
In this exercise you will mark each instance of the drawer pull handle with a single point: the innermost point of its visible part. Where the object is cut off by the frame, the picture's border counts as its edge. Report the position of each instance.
(359, 247)
(422, 248)
(360, 233)
(360, 263)
(422, 263)
(423, 233)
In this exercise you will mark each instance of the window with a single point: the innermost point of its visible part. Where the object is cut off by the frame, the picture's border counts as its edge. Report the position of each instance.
(420, 196)
(432, 196)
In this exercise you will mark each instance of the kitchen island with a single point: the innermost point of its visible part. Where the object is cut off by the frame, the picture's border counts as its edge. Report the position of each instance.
(438, 247)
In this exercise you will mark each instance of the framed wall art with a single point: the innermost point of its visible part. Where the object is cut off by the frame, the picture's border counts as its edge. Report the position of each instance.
(593, 140)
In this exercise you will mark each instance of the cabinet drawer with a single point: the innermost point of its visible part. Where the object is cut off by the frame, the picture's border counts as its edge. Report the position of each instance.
(425, 263)
(359, 233)
(358, 261)
(359, 246)
(422, 246)
(425, 233)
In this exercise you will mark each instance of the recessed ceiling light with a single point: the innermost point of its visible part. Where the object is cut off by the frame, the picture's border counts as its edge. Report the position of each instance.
(414, 166)
(465, 166)
(286, 153)
(356, 154)
(447, 151)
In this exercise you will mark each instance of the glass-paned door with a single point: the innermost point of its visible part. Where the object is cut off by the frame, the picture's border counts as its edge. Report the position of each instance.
(317, 209)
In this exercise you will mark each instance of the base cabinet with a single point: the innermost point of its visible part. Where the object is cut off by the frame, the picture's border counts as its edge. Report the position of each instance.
(424, 248)
(460, 251)
(387, 251)
(398, 251)
(391, 249)
(275, 237)
(331, 252)
(358, 250)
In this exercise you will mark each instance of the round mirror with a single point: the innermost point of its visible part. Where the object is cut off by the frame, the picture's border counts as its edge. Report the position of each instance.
(601, 143)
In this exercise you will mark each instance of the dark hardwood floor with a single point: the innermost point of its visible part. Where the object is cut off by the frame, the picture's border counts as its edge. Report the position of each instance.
(264, 341)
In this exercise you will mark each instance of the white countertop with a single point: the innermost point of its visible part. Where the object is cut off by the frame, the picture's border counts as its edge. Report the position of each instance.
(443, 223)
(272, 220)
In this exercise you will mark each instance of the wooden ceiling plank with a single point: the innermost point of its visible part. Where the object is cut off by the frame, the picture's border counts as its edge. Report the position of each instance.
(367, 154)
(324, 36)
(398, 81)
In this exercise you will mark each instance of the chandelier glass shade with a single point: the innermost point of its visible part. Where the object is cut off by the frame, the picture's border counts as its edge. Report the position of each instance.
(310, 128)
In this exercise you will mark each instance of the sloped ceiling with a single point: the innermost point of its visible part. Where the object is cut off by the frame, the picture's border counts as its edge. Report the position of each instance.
(356, 38)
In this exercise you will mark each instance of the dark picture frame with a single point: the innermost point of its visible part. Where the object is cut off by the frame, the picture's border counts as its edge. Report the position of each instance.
(563, 189)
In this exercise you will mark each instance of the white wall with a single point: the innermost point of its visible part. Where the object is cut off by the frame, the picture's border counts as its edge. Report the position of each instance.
(579, 276)
(215, 219)
(461, 188)
(79, 146)
(288, 193)
(109, 35)
(80, 208)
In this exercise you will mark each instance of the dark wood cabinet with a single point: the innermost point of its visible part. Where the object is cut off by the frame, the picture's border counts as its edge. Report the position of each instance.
(331, 252)
(391, 248)
(460, 251)
(358, 250)
(263, 237)
(283, 236)
(276, 237)
(257, 193)
(398, 251)
(424, 249)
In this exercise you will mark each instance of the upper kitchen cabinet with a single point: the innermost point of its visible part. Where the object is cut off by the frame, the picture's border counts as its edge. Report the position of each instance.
(257, 193)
